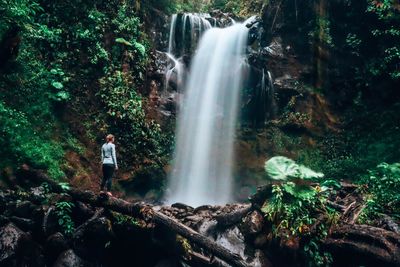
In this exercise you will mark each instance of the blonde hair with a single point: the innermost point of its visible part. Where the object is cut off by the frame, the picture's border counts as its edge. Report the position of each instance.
(110, 138)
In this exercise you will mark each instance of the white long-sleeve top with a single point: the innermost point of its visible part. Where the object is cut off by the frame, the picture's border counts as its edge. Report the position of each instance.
(108, 154)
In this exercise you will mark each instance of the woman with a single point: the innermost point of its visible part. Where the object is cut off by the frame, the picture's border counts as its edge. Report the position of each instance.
(109, 161)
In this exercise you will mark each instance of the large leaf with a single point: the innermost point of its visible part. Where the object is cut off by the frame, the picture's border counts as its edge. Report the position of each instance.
(139, 47)
(123, 41)
(282, 168)
(301, 192)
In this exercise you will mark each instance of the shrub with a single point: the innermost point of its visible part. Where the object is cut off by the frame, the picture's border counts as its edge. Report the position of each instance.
(383, 191)
(294, 206)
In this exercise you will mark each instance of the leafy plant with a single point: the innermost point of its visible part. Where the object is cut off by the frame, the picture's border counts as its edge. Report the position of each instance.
(383, 191)
(294, 209)
(63, 211)
(25, 145)
(124, 219)
(64, 186)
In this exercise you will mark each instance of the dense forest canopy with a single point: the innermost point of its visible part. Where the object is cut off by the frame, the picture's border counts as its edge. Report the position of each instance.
(321, 93)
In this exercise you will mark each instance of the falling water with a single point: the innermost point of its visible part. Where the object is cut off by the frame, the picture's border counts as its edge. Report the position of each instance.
(202, 171)
(172, 30)
(191, 27)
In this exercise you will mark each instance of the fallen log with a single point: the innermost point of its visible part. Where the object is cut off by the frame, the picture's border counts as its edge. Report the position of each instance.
(371, 245)
(198, 239)
(141, 210)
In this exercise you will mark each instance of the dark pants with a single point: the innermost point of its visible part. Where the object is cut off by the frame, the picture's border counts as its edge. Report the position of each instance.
(108, 171)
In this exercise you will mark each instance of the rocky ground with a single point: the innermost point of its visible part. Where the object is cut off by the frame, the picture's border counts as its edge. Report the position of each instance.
(38, 229)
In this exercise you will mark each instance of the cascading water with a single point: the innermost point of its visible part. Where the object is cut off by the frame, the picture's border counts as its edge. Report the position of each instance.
(185, 31)
(202, 171)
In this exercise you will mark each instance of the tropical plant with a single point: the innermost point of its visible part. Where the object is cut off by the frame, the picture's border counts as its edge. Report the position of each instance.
(294, 206)
(63, 211)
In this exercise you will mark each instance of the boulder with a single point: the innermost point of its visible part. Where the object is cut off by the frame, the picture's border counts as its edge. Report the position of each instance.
(38, 193)
(55, 244)
(69, 259)
(90, 239)
(18, 249)
(11, 240)
(252, 224)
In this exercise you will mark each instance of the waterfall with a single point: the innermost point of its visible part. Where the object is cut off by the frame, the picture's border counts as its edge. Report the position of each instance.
(184, 34)
(172, 31)
(202, 169)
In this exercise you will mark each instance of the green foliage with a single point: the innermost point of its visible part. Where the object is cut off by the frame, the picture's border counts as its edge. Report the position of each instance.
(383, 187)
(17, 13)
(349, 156)
(387, 32)
(323, 32)
(25, 145)
(240, 8)
(367, 36)
(184, 246)
(282, 168)
(124, 219)
(353, 41)
(63, 211)
(66, 53)
(125, 107)
(294, 208)
(64, 186)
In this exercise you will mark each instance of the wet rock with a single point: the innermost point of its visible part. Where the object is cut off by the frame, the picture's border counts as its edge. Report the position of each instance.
(55, 244)
(38, 193)
(90, 239)
(50, 223)
(83, 211)
(275, 48)
(21, 209)
(11, 240)
(182, 206)
(203, 208)
(255, 30)
(193, 218)
(69, 259)
(259, 260)
(161, 62)
(4, 220)
(252, 224)
(221, 19)
(287, 82)
(229, 216)
(23, 223)
(18, 249)
(207, 227)
(233, 240)
(260, 240)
